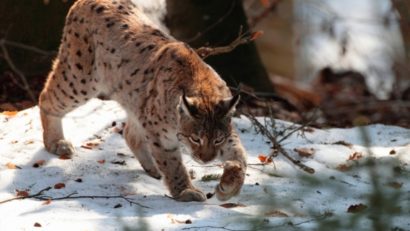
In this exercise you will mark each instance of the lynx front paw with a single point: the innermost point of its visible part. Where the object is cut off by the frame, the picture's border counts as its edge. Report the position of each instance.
(190, 194)
(61, 147)
(231, 181)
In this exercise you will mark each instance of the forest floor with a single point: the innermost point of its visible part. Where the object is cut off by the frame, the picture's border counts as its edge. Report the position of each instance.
(357, 184)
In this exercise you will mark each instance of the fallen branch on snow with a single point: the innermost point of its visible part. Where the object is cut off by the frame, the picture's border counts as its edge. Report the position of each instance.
(277, 147)
(40, 196)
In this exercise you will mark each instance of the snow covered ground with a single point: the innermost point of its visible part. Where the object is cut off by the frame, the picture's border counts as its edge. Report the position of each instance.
(276, 195)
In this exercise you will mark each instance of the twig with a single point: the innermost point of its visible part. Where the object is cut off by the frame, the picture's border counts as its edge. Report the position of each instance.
(27, 47)
(25, 197)
(13, 67)
(277, 147)
(42, 197)
(213, 227)
(71, 196)
(221, 19)
(243, 38)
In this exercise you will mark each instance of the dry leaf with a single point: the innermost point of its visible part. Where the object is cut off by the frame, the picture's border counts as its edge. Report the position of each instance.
(64, 157)
(91, 144)
(395, 184)
(355, 156)
(276, 213)
(47, 202)
(265, 159)
(23, 193)
(37, 224)
(392, 152)
(12, 166)
(256, 35)
(305, 152)
(101, 161)
(357, 208)
(232, 205)
(59, 186)
(343, 167)
(10, 113)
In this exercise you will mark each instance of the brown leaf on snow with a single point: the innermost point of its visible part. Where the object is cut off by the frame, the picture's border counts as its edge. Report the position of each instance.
(23, 193)
(232, 205)
(395, 184)
(356, 156)
(37, 224)
(10, 165)
(47, 202)
(59, 186)
(91, 144)
(265, 159)
(392, 152)
(276, 213)
(9, 113)
(305, 152)
(357, 208)
(64, 157)
(343, 167)
(101, 161)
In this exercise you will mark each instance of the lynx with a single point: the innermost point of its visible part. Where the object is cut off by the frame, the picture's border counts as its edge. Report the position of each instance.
(110, 50)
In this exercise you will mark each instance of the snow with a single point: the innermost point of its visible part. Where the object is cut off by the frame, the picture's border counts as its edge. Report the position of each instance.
(369, 31)
(275, 195)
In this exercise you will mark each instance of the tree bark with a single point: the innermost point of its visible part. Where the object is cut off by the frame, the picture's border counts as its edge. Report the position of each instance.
(217, 23)
(402, 65)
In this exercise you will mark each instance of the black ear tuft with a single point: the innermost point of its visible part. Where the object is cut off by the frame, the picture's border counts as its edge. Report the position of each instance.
(229, 105)
(188, 107)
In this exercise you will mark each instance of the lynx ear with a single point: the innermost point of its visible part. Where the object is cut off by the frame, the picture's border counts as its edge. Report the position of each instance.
(229, 104)
(187, 105)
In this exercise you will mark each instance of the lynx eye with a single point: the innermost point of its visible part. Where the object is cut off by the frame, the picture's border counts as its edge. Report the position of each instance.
(219, 140)
(195, 140)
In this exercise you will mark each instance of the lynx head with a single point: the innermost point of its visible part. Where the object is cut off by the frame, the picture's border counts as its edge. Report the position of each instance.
(204, 125)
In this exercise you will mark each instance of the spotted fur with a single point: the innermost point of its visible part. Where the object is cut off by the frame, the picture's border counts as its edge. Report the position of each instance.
(109, 49)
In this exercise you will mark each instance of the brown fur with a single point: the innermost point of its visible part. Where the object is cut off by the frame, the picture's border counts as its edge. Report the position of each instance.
(110, 50)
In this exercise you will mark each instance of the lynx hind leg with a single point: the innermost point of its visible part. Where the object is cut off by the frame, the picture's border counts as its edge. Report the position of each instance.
(140, 149)
(59, 97)
(52, 110)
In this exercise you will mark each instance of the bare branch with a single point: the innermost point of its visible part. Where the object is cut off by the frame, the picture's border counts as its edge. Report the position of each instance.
(25, 197)
(42, 197)
(220, 20)
(243, 38)
(27, 47)
(14, 68)
(277, 147)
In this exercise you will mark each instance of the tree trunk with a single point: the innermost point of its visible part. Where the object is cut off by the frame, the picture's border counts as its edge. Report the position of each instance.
(217, 23)
(402, 66)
